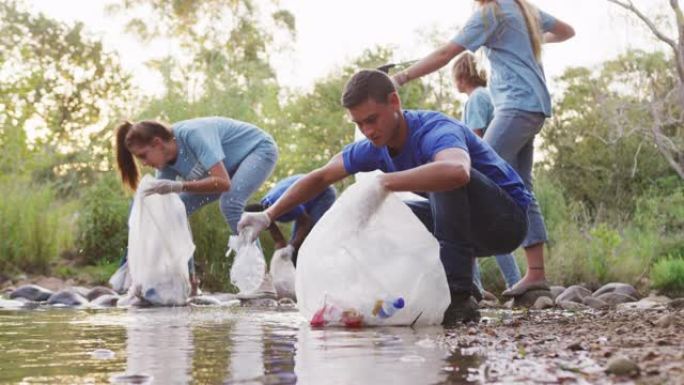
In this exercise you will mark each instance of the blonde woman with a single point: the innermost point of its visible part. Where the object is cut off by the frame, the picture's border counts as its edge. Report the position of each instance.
(470, 79)
(511, 33)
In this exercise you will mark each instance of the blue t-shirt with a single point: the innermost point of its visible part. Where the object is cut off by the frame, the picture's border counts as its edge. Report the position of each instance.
(203, 142)
(478, 110)
(279, 189)
(430, 132)
(517, 79)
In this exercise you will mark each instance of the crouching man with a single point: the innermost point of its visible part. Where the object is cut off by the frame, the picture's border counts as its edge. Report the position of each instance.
(476, 202)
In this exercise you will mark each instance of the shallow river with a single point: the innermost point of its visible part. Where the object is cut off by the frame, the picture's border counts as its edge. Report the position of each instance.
(203, 345)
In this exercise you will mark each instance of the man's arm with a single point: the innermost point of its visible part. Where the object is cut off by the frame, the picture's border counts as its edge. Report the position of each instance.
(449, 170)
(277, 235)
(304, 225)
(309, 186)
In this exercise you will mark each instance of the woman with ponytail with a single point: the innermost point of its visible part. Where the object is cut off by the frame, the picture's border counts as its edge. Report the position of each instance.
(512, 33)
(203, 160)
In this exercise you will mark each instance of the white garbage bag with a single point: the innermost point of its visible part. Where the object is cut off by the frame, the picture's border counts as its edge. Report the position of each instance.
(159, 247)
(249, 266)
(364, 265)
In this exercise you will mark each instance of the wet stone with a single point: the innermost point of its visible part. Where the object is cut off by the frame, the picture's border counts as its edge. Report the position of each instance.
(574, 293)
(107, 300)
(99, 291)
(530, 297)
(617, 287)
(595, 303)
(204, 300)
(613, 298)
(622, 366)
(67, 298)
(31, 292)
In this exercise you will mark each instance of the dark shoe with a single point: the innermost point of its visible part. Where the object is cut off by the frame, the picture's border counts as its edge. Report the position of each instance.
(463, 309)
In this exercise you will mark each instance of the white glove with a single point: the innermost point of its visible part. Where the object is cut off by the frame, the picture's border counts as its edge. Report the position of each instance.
(164, 186)
(253, 224)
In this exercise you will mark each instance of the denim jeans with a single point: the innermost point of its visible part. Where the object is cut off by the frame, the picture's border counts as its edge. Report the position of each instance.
(476, 220)
(511, 134)
(507, 266)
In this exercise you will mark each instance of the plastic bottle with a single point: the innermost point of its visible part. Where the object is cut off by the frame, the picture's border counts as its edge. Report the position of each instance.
(385, 308)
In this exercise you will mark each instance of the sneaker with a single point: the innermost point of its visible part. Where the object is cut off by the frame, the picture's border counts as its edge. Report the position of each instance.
(463, 309)
(265, 291)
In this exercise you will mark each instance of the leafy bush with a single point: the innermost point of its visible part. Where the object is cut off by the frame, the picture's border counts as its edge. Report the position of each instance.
(668, 275)
(102, 227)
(35, 226)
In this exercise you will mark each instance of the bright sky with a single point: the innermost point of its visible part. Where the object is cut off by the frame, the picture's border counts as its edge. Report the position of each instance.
(331, 33)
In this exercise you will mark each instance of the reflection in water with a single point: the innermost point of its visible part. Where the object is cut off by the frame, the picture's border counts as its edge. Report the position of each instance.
(216, 346)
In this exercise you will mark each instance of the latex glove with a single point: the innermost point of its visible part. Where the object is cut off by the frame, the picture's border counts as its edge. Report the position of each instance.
(253, 223)
(164, 186)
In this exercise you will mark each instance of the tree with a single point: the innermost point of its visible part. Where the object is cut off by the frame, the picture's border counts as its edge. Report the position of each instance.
(666, 110)
(595, 144)
(58, 84)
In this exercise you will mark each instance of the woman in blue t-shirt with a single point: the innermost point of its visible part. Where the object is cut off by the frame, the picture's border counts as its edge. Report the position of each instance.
(203, 160)
(478, 112)
(511, 33)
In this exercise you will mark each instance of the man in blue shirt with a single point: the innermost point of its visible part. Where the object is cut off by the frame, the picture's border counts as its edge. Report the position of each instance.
(304, 215)
(476, 202)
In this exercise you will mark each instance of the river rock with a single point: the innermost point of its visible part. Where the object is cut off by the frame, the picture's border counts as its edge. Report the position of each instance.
(80, 290)
(31, 292)
(573, 306)
(617, 287)
(67, 297)
(107, 300)
(530, 297)
(676, 304)
(556, 291)
(574, 293)
(99, 291)
(543, 302)
(622, 366)
(614, 298)
(204, 300)
(10, 304)
(665, 321)
(595, 303)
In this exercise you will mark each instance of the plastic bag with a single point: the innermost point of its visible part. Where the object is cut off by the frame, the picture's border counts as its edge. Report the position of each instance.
(120, 281)
(355, 261)
(249, 266)
(159, 247)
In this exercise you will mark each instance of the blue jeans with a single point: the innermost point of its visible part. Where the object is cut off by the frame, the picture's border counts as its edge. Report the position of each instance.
(507, 266)
(511, 134)
(476, 220)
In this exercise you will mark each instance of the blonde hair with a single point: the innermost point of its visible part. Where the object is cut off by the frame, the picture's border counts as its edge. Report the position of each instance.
(465, 67)
(532, 22)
